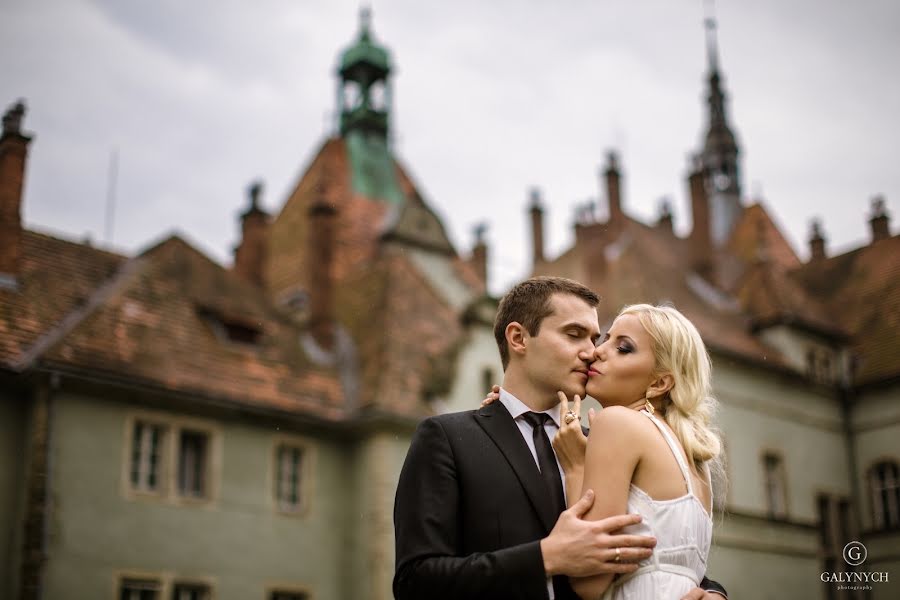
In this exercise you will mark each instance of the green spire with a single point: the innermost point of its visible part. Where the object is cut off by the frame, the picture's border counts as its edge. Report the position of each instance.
(364, 93)
(364, 103)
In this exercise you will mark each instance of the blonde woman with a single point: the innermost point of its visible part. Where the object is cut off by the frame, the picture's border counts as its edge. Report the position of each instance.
(650, 450)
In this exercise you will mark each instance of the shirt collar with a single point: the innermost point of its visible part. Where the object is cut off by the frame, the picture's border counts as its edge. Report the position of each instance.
(517, 408)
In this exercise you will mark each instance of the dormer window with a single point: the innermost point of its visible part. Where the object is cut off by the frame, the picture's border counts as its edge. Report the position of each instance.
(231, 328)
(240, 333)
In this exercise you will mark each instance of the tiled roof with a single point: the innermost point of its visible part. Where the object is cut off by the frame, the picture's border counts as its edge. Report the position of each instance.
(861, 290)
(162, 319)
(56, 278)
(853, 298)
(175, 320)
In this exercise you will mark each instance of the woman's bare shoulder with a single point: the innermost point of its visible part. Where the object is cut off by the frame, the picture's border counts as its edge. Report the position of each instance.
(620, 419)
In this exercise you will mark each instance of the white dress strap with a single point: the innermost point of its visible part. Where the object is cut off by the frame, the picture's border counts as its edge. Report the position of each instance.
(675, 448)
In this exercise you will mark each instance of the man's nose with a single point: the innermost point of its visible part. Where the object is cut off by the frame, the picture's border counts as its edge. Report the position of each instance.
(586, 353)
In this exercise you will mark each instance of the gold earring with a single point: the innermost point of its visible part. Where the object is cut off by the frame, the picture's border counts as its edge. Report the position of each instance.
(648, 406)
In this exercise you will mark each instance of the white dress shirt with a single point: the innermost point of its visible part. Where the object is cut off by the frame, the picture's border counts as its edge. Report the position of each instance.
(517, 408)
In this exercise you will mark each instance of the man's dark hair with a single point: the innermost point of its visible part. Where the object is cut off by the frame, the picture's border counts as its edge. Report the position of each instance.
(528, 303)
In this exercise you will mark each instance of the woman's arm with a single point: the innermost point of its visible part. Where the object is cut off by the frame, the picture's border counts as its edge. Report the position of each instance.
(612, 455)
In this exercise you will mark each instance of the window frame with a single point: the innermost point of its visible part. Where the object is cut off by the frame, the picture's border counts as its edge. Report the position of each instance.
(162, 471)
(174, 426)
(780, 480)
(306, 477)
(884, 518)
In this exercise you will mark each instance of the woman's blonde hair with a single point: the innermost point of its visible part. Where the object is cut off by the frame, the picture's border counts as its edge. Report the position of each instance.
(679, 351)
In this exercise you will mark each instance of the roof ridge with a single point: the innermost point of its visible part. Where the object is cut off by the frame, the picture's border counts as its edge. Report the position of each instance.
(46, 341)
(81, 245)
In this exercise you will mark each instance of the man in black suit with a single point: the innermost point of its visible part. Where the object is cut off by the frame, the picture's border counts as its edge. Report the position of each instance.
(476, 515)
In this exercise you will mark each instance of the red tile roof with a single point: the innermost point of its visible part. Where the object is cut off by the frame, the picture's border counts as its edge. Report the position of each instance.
(852, 298)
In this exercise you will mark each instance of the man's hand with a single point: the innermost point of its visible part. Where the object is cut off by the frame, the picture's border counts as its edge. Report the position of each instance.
(580, 548)
(701, 594)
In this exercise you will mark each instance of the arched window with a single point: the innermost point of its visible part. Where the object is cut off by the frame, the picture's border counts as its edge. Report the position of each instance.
(884, 486)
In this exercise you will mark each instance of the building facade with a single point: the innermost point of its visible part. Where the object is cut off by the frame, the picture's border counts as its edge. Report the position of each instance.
(172, 428)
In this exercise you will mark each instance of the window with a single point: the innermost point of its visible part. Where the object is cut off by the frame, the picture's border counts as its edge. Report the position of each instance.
(487, 380)
(192, 451)
(146, 443)
(236, 328)
(278, 595)
(775, 485)
(190, 591)
(288, 478)
(884, 486)
(171, 459)
(139, 589)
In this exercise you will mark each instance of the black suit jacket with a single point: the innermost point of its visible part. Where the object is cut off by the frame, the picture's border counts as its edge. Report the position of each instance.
(470, 511)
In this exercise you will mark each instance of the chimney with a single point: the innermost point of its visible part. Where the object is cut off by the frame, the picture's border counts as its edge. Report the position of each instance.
(879, 220)
(13, 155)
(664, 223)
(480, 252)
(699, 241)
(613, 195)
(250, 255)
(537, 227)
(816, 241)
(320, 256)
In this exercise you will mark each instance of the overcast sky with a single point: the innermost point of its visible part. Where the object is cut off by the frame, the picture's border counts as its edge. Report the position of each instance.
(490, 99)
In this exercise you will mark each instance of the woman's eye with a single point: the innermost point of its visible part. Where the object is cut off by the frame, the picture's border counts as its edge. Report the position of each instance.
(624, 349)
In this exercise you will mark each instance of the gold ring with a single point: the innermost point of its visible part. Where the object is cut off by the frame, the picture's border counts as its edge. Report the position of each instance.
(570, 416)
(618, 556)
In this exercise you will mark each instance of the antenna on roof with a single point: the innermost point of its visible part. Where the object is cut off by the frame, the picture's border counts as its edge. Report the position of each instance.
(111, 195)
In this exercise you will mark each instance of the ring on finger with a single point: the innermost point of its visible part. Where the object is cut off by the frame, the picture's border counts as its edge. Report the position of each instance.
(570, 416)
(618, 557)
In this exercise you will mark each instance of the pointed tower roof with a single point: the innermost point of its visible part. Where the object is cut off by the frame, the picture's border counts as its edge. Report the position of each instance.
(719, 137)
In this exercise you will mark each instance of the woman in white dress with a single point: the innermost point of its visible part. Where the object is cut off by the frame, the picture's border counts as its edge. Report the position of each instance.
(650, 449)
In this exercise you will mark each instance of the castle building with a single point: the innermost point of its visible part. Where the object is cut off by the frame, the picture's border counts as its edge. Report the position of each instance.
(174, 428)
(171, 428)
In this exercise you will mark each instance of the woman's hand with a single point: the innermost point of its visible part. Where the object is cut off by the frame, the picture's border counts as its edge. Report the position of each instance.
(492, 396)
(570, 443)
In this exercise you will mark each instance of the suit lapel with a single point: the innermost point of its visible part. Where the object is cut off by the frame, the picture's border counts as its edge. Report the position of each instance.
(500, 427)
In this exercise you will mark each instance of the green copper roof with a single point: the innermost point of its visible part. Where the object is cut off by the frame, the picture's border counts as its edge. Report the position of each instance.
(365, 51)
(373, 173)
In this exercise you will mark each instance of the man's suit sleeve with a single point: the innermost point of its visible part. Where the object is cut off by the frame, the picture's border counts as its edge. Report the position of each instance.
(713, 586)
(427, 530)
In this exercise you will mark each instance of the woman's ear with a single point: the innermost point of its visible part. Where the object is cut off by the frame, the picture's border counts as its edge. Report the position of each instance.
(515, 337)
(660, 386)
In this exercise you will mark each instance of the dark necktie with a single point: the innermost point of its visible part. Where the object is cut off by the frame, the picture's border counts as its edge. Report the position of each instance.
(546, 459)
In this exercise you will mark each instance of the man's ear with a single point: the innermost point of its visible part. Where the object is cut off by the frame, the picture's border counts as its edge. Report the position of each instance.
(516, 336)
(660, 386)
